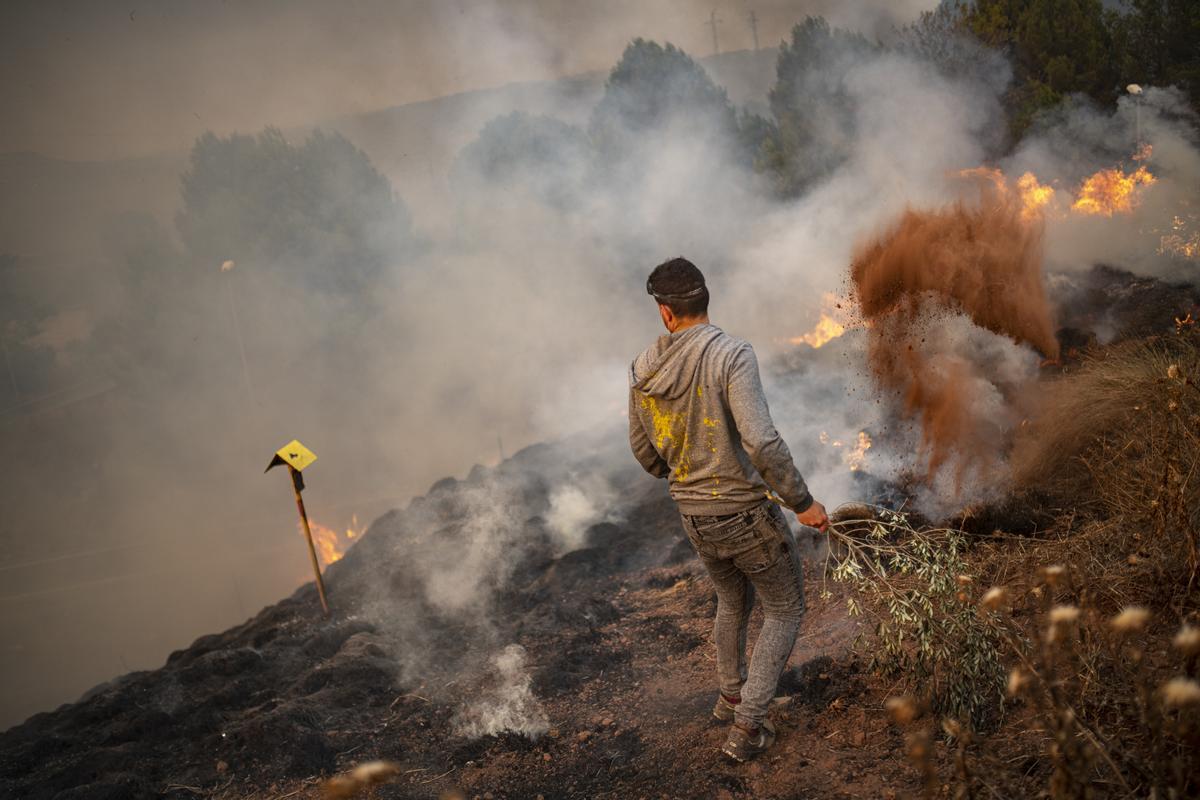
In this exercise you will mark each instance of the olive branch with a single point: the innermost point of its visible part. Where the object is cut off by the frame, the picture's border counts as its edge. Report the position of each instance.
(913, 581)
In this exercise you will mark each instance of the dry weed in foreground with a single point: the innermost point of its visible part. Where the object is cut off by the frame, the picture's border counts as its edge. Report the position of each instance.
(359, 780)
(1149, 747)
(1097, 616)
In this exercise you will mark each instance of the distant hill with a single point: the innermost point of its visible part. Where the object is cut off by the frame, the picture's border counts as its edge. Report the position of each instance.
(53, 208)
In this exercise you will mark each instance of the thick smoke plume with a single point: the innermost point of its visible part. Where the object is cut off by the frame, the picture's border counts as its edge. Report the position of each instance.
(498, 304)
(982, 260)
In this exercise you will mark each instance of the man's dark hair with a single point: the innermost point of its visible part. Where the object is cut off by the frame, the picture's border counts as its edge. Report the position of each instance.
(679, 286)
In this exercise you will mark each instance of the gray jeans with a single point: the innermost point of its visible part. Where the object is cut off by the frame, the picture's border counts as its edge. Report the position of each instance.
(751, 551)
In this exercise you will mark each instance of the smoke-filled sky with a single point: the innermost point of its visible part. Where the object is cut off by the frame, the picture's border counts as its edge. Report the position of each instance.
(96, 79)
(148, 384)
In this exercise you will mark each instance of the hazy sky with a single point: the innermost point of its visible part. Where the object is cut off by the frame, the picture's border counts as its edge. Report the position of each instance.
(93, 79)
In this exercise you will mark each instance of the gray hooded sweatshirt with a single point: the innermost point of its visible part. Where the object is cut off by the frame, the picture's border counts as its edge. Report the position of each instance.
(697, 414)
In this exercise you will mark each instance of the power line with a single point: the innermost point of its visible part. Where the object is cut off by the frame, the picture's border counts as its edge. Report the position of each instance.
(712, 23)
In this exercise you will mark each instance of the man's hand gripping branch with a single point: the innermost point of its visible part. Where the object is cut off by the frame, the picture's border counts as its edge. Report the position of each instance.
(814, 517)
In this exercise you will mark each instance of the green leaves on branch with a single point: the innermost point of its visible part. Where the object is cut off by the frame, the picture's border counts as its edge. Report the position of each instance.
(913, 582)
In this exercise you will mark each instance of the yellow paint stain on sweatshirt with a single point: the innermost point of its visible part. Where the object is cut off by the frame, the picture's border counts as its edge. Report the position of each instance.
(664, 422)
(670, 425)
(710, 426)
(684, 469)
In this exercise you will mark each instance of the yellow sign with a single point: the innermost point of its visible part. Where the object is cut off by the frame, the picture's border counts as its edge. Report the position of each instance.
(294, 455)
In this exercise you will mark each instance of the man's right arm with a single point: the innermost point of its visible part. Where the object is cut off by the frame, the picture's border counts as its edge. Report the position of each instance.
(639, 442)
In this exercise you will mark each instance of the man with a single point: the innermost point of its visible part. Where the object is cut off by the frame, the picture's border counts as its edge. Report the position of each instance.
(697, 415)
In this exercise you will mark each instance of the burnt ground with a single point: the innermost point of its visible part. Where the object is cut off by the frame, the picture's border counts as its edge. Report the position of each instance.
(616, 632)
(617, 641)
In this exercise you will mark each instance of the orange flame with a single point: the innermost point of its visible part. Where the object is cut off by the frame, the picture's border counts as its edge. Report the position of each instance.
(855, 457)
(828, 327)
(1107, 192)
(1180, 242)
(331, 545)
(1034, 195)
(1111, 191)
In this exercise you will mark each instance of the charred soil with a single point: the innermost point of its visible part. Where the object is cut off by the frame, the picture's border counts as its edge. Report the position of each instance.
(616, 638)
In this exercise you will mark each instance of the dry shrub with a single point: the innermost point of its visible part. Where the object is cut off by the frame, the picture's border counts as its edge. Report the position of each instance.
(1143, 740)
(1118, 443)
(1105, 699)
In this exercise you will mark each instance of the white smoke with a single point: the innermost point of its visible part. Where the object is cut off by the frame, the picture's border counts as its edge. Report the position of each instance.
(573, 510)
(454, 552)
(508, 705)
(512, 318)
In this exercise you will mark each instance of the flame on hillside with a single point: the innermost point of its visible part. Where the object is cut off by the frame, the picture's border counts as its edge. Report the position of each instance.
(1104, 193)
(1111, 191)
(1034, 195)
(831, 324)
(1180, 242)
(855, 455)
(826, 330)
(330, 544)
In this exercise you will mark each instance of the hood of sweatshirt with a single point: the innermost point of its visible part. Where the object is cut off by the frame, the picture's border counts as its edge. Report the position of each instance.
(667, 369)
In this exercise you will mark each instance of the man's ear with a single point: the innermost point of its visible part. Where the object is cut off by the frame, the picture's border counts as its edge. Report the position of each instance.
(668, 316)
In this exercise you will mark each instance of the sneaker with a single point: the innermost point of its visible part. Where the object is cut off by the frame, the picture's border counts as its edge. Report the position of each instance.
(724, 710)
(743, 745)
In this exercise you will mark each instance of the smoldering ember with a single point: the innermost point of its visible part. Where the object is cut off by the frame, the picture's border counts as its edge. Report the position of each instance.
(774, 399)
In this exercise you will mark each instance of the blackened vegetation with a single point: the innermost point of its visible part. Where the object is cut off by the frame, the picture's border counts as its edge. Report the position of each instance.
(285, 694)
(1113, 305)
(615, 628)
(260, 698)
(615, 631)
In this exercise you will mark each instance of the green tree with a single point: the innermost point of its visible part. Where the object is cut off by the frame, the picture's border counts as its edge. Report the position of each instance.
(158, 304)
(1065, 45)
(538, 154)
(654, 92)
(1057, 48)
(943, 38)
(319, 212)
(1158, 44)
(811, 104)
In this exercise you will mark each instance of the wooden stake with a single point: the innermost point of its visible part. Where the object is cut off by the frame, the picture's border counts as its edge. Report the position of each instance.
(312, 550)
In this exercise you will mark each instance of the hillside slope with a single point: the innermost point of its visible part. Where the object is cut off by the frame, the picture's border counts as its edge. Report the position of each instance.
(616, 652)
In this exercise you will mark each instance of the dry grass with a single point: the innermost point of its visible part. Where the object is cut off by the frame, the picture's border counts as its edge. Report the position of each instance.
(1118, 442)
(1143, 740)
(1098, 619)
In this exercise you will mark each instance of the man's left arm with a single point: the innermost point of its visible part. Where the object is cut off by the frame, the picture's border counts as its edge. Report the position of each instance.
(639, 442)
(766, 448)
